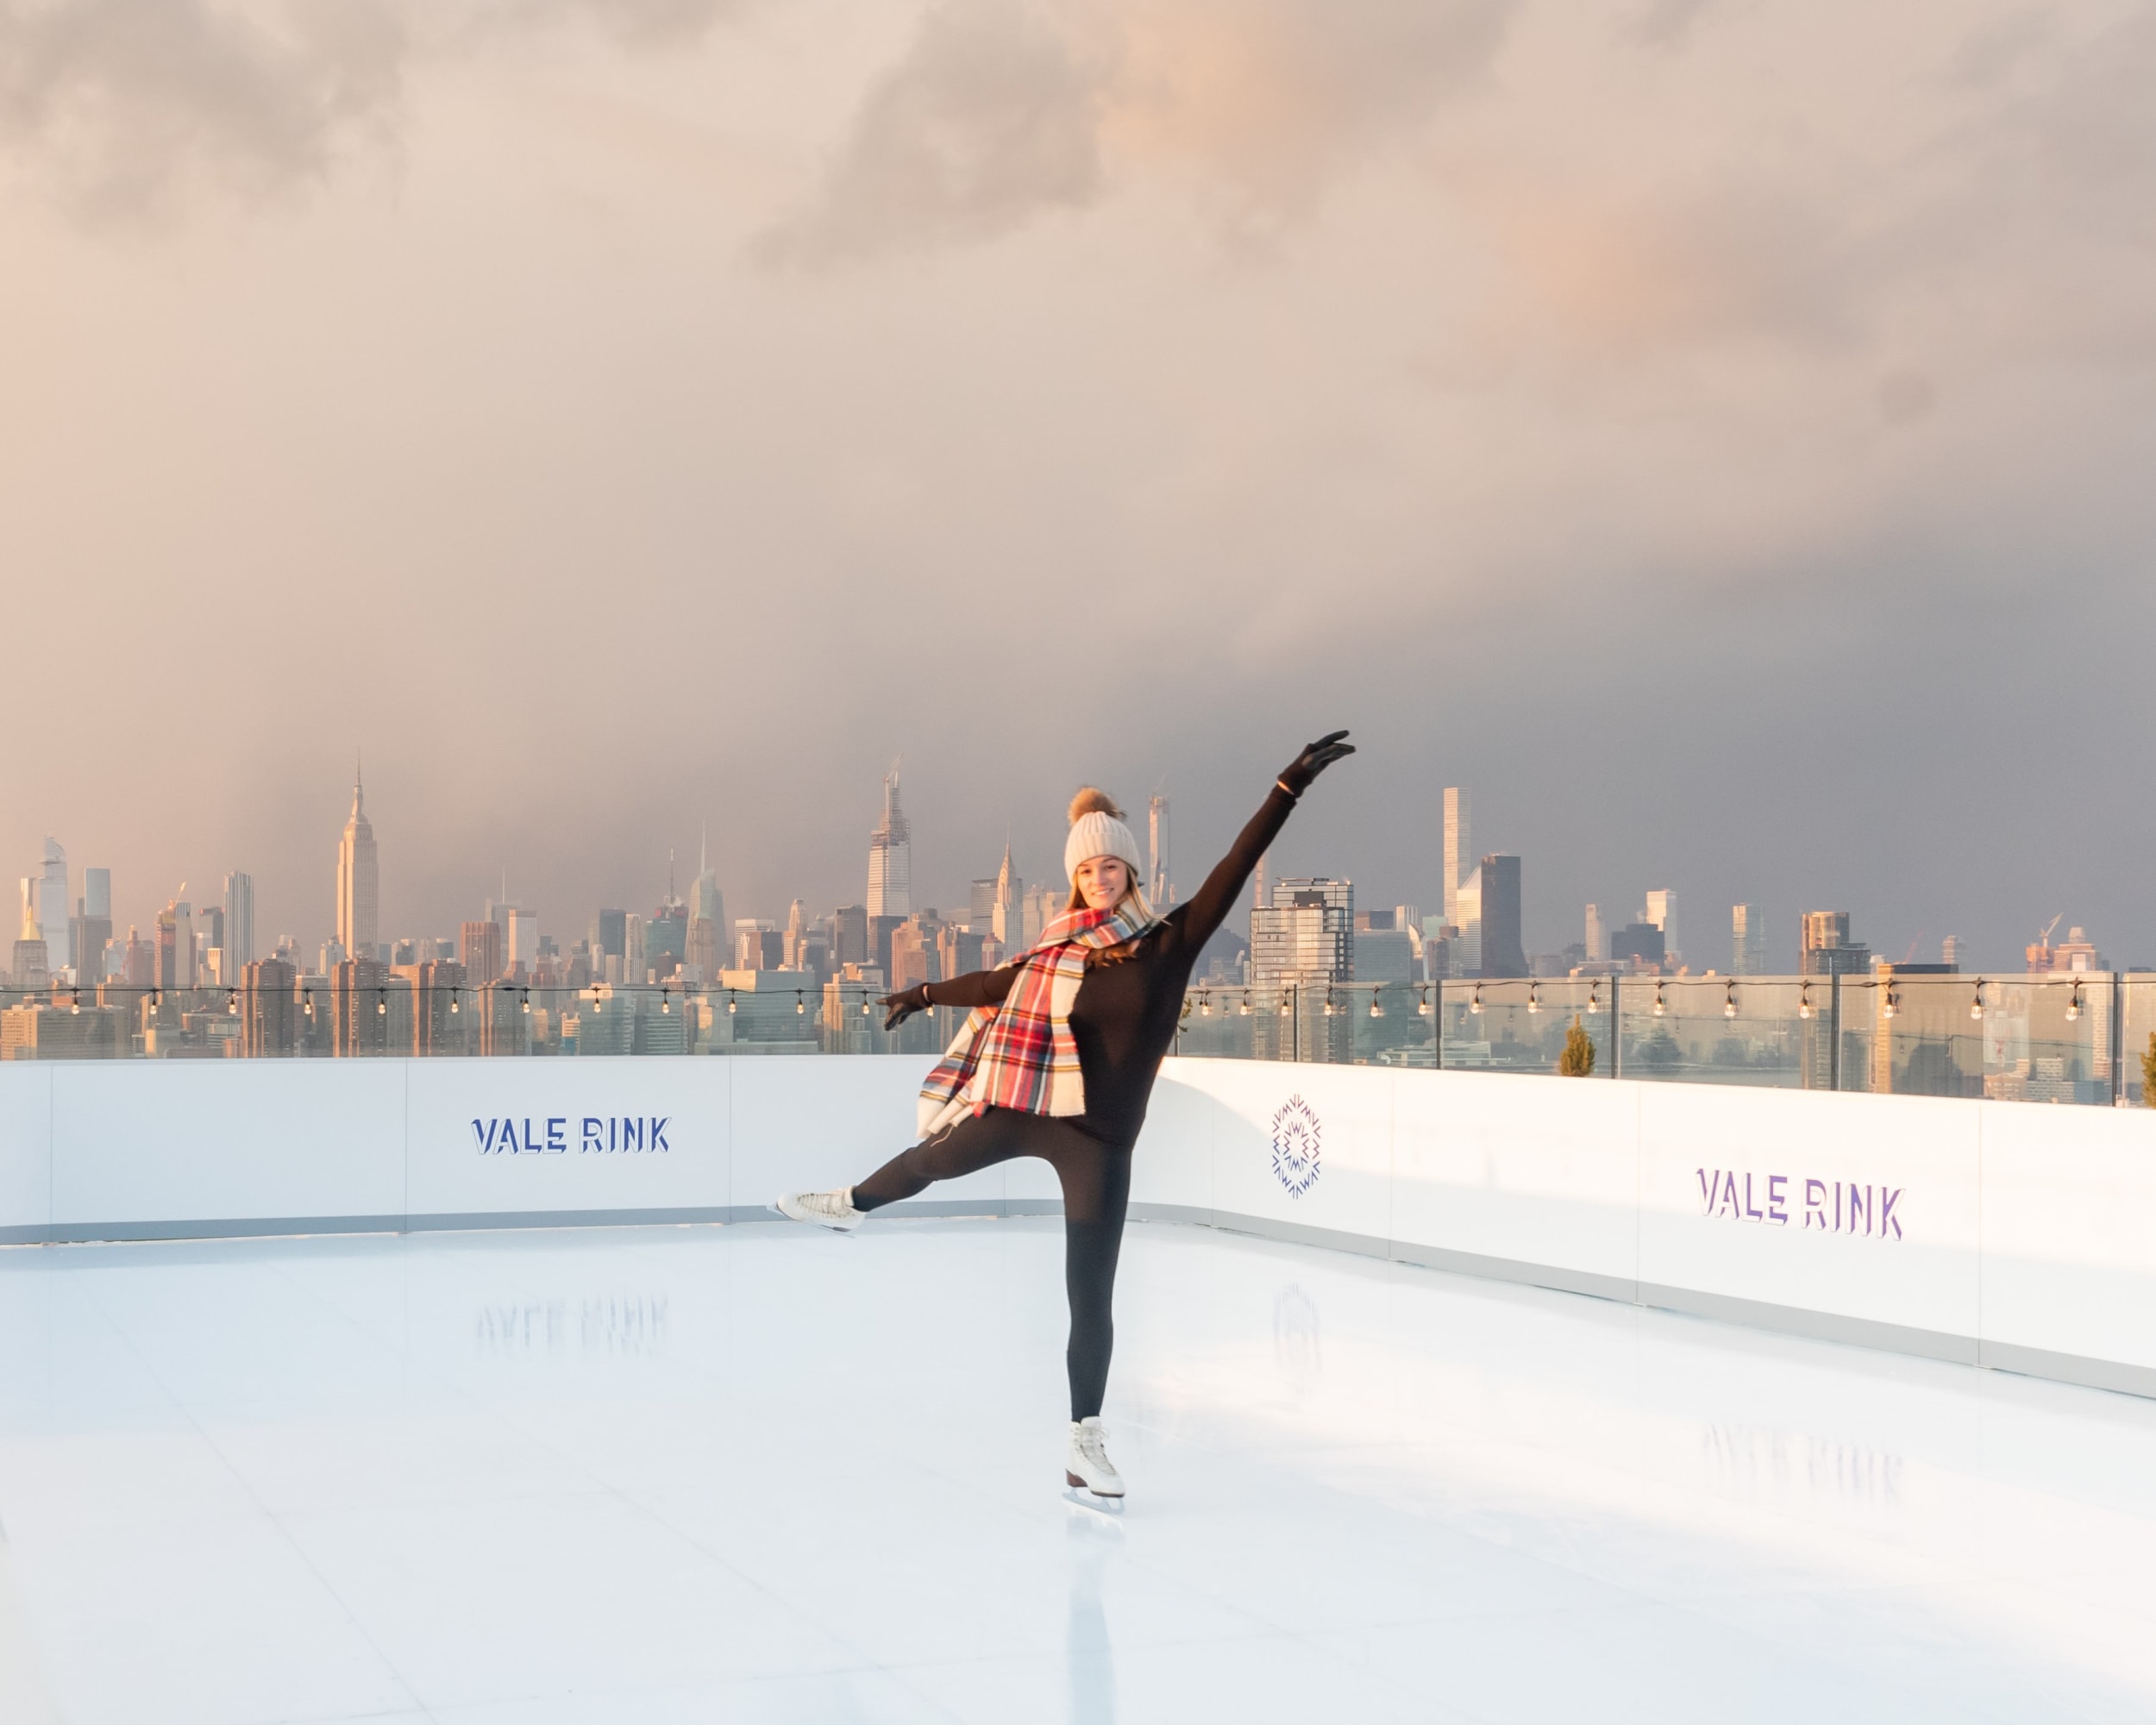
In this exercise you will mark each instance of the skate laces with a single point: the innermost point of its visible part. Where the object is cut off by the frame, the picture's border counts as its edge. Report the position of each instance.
(1093, 1444)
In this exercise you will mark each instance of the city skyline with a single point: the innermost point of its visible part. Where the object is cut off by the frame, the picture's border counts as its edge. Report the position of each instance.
(514, 936)
(652, 440)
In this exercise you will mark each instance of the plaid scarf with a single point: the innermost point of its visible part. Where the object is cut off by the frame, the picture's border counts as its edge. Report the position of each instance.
(1019, 1054)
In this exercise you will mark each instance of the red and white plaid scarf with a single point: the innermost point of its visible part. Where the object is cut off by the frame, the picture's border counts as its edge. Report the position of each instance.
(1020, 1054)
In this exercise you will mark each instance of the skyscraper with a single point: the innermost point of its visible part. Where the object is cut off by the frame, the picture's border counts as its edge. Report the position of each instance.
(980, 906)
(1597, 935)
(890, 857)
(1661, 910)
(239, 920)
(1747, 941)
(1459, 850)
(359, 882)
(175, 945)
(53, 901)
(1009, 921)
(32, 966)
(1502, 953)
(479, 949)
(1305, 935)
(1156, 887)
(1827, 949)
(705, 954)
(92, 931)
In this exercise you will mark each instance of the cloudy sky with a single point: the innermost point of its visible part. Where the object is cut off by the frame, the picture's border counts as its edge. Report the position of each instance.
(1719, 434)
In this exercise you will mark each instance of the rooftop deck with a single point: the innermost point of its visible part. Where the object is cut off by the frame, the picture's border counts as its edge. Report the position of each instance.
(753, 1472)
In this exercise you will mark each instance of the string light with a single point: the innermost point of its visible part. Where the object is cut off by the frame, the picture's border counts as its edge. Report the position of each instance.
(730, 1006)
(1660, 1006)
(381, 1003)
(1534, 997)
(666, 1001)
(1422, 1005)
(1595, 997)
(231, 1002)
(2073, 1006)
(306, 1001)
(867, 1009)
(1476, 1004)
(76, 1007)
(1804, 999)
(800, 1005)
(1976, 1005)
(1244, 1010)
(524, 1001)
(1377, 1007)
(1893, 1003)
(1330, 1009)
(1729, 1001)
(453, 1005)
(1205, 1006)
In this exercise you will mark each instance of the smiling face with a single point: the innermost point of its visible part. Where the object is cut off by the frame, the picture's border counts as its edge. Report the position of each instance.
(1102, 882)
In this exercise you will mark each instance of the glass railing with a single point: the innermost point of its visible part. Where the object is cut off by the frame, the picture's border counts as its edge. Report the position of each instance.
(2087, 1038)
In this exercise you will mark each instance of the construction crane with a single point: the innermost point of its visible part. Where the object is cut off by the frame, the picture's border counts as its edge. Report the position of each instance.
(2044, 939)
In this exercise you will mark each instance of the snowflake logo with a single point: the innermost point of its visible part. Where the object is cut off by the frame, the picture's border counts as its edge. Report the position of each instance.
(1295, 1135)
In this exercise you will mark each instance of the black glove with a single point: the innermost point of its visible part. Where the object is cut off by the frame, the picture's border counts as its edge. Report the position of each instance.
(903, 1006)
(1295, 778)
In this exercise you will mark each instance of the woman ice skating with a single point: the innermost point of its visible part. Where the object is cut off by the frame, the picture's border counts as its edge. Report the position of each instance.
(1058, 1059)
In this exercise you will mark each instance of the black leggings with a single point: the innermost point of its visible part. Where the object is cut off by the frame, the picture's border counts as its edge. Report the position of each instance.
(1096, 1178)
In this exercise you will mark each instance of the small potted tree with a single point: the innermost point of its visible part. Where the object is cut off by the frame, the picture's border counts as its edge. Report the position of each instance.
(1578, 1059)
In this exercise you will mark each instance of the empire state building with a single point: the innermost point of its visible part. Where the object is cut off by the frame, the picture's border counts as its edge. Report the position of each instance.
(359, 882)
(891, 857)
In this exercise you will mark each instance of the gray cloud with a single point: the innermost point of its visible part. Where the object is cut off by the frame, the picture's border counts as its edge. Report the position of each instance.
(1002, 111)
(992, 117)
(114, 107)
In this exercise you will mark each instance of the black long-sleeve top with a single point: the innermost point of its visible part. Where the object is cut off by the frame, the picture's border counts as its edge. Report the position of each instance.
(1124, 1019)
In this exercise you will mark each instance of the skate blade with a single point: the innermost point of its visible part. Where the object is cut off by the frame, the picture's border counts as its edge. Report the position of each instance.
(1078, 1498)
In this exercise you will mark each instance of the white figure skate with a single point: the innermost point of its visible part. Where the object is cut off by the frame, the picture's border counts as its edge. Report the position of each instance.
(1087, 1470)
(826, 1209)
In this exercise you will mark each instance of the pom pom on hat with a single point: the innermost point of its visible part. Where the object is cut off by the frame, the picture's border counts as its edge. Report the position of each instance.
(1097, 830)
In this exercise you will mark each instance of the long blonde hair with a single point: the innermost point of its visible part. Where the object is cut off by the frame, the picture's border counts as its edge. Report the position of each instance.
(1090, 800)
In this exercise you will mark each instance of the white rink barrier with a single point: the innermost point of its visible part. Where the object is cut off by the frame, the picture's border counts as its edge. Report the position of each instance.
(2007, 1234)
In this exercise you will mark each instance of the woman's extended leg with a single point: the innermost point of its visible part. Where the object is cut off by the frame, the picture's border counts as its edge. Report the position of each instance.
(979, 1141)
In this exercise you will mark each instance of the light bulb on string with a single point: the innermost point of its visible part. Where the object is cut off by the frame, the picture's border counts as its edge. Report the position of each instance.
(1976, 1005)
(1660, 1004)
(1729, 1001)
(1475, 1005)
(2073, 1006)
(1534, 997)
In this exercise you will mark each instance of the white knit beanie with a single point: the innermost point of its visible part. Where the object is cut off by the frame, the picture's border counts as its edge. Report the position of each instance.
(1097, 830)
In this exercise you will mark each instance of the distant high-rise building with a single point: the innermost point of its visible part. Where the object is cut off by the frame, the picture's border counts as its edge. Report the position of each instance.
(239, 920)
(705, 954)
(53, 901)
(891, 857)
(1597, 935)
(758, 945)
(1661, 910)
(1008, 925)
(520, 937)
(479, 950)
(269, 1021)
(1156, 885)
(1747, 941)
(1305, 935)
(91, 935)
(359, 882)
(1639, 945)
(850, 936)
(32, 966)
(980, 906)
(1500, 946)
(793, 954)
(359, 989)
(1952, 951)
(210, 965)
(1825, 948)
(1459, 850)
(176, 945)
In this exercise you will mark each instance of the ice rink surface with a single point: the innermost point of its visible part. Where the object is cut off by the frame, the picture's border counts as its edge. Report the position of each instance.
(756, 1473)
